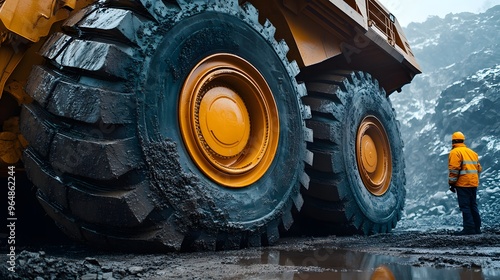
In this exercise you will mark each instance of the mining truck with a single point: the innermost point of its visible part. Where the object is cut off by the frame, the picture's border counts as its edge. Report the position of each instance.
(204, 125)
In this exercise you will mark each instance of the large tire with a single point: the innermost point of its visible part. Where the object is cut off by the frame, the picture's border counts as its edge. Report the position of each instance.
(115, 126)
(357, 178)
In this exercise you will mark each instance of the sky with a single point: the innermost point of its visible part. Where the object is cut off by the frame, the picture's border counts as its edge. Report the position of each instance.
(407, 11)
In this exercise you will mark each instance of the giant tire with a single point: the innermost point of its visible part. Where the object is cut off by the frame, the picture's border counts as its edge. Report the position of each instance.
(112, 160)
(357, 178)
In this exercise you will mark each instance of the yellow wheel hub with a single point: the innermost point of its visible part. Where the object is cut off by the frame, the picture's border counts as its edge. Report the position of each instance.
(224, 122)
(229, 120)
(373, 154)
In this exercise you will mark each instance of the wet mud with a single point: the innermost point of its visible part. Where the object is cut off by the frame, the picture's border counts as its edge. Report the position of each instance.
(402, 254)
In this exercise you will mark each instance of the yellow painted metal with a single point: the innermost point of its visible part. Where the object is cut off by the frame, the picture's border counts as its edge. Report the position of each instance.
(229, 120)
(309, 41)
(373, 155)
(21, 24)
(23, 27)
(314, 44)
(33, 19)
(9, 59)
(11, 142)
(224, 119)
(318, 27)
(344, 34)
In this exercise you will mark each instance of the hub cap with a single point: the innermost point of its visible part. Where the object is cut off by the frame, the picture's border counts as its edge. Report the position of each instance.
(229, 120)
(373, 154)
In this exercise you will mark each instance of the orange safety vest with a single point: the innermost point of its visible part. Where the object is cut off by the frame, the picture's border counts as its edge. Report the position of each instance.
(464, 167)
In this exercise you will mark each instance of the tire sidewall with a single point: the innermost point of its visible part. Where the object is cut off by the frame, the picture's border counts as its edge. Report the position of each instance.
(181, 48)
(370, 100)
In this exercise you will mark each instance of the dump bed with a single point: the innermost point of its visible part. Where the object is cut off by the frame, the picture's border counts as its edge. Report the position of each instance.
(344, 34)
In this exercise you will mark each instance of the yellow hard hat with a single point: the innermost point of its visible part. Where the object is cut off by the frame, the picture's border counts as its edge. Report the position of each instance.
(382, 273)
(457, 136)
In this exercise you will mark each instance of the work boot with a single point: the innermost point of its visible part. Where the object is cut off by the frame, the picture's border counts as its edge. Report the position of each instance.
(465, 232)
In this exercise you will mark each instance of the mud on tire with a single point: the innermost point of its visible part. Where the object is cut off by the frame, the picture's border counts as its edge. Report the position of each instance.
(346, 195)
(106, 152)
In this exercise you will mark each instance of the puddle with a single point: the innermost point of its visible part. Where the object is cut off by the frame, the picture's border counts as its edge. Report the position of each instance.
(324, 264)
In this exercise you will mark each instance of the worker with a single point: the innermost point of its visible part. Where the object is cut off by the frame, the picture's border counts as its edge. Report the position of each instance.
(464, 169)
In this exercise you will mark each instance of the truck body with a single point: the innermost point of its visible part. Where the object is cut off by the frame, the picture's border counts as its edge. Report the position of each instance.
(205, 124)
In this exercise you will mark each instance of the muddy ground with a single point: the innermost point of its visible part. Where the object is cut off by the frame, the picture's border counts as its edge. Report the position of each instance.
(406, 254)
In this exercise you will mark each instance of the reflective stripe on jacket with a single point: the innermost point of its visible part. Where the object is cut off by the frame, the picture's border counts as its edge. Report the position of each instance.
(464, 167)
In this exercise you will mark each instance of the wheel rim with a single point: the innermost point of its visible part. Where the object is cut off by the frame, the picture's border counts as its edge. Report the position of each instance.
(373, 154)
(229, 120)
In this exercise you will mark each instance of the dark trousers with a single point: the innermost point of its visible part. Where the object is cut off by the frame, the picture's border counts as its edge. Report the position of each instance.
(468, 205)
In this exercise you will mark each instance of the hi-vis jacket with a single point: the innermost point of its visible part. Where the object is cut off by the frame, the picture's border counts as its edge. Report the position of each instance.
(464, 167)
